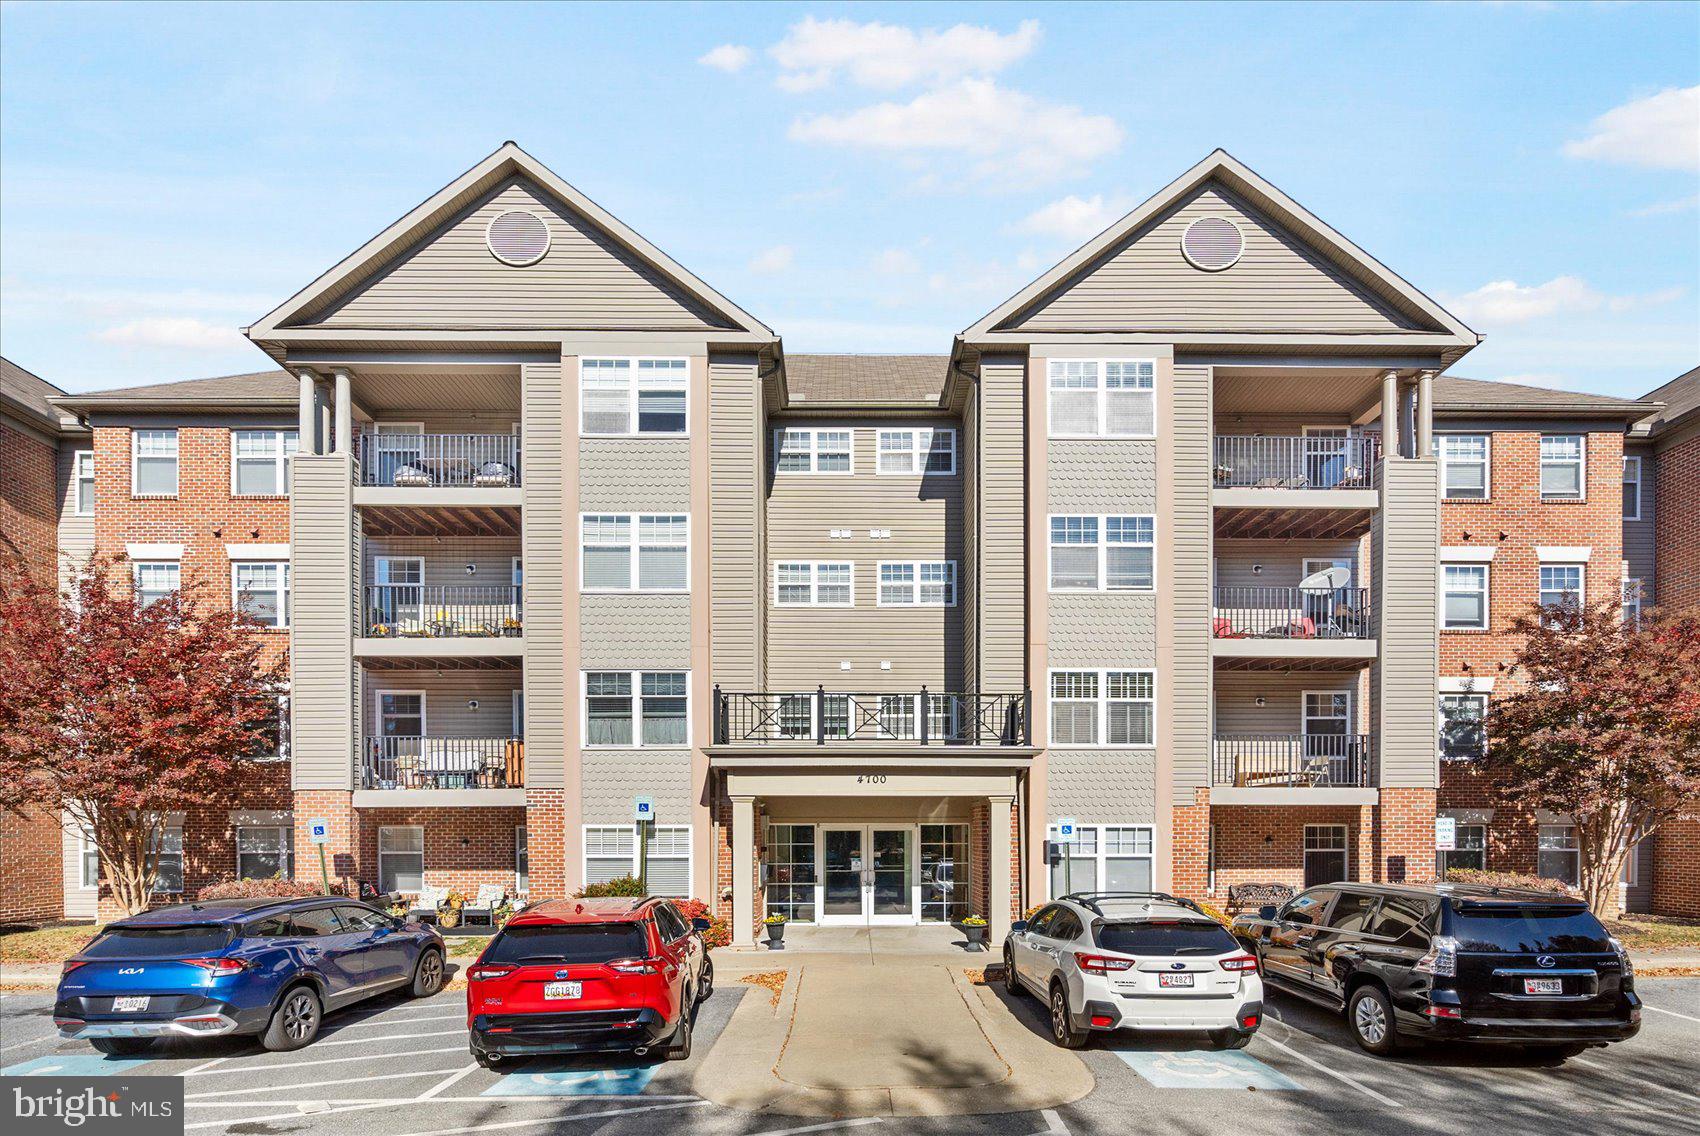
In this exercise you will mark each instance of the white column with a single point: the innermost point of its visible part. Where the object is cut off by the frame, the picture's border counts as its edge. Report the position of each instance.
(1425, 414)
(308, 414)
(743, 871)
(997, 898)
(343, 438)
(1390, 414)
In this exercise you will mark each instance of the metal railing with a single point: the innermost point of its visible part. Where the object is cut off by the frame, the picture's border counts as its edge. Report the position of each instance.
(1281, 761)
(823, 717)
(470, 461)
(1284, 461)
(443, 611)
(444, 763)
(1244, 612)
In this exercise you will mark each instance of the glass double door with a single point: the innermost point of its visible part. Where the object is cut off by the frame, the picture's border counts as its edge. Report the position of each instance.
(868, 875)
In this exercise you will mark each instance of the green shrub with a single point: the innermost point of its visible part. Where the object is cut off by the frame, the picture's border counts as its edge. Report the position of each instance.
(618, 886)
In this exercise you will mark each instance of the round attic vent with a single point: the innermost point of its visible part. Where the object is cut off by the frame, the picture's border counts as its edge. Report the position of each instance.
(518, 238)
(1212, 243)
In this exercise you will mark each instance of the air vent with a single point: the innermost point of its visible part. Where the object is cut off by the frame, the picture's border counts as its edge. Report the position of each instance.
(1212, 243)
(518, 238)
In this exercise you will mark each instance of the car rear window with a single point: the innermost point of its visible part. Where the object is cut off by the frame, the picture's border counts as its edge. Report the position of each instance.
(1194, 938)
(580, 943)
(159, 942)
(1526, 930)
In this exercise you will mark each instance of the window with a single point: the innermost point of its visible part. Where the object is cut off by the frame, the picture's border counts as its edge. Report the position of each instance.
(788, 872)
(262, 852)
(610, 851)
(82, 477)
(1098, 554)
(925, 583)
(1092, 398)
(88, 862)
(808, 583)
(1117, 706)
(1325, 853)
(644, 708)
(1462, 736)
(1102, 858)
(260, 588)
(1558, 856)
(1561, 585)
(1632, 595)
(168, 874)
(813, 451)
(155, 579)
(930, 450)
(1352, 911)
(1463, 466)
(1468, 852)
(401, 713)
(401, 858)
(522, 860)
(259, 462)
(1401, 920)
(945, 874)
(1631, 488)
(278, 730)
(1464, 596)
(1562, 476)
(153, 463)
(627, 397)
(634, 552)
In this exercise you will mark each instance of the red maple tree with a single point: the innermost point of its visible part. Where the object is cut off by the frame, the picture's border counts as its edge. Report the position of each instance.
(121, 714)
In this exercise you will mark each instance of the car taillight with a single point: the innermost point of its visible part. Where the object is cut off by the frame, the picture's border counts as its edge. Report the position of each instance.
(72, 964)
(1444, 1012)
(1103, 1021)
(219, 967)
(1441, 959)
(1623, 957)
(1239, 962)
(1248, 1021)
(634, 966)
(1099, 964)
(484, 973)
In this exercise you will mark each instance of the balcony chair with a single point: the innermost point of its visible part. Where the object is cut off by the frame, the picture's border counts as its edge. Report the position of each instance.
(494, 475)
(484, 904)
(411, 475)
(425, 906)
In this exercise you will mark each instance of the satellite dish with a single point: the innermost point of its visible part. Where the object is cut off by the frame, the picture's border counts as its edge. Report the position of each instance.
(1327, 580)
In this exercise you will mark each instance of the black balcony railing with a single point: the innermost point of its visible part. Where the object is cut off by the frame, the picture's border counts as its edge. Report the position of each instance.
(1282, 761)
(1285, 461)
(442, 611)
(468, 461)
(823, 717)
(444, 763)
(1245, 612)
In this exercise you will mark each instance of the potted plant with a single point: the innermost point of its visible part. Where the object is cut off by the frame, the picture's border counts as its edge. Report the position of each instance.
(502, 912)
(775, 925)
(448, 911)
(511, 627)
(975, 928)
(382, 631)
(399, 910)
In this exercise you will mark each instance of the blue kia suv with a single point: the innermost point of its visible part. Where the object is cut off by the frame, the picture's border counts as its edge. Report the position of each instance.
(271, 967)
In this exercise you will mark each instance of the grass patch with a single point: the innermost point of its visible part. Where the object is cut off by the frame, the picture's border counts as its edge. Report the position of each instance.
(48, 944)
(1656, 932)
(466, 946)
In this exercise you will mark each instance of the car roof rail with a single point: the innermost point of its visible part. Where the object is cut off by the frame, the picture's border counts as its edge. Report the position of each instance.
(1092, 899)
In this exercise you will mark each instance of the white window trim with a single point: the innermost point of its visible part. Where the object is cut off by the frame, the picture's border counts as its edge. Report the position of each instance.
(1440, 719)
(136, 567)
(516, 570)
(1305, 718)
(286, 850)
(381, 566)
(1636, 480)
(1487, 594)
(1345, 849)
(177, 460)
(281, 460)
(917, 451)
(421, 853)
(516, 712)
(632, 421)
(814, 567)
(77, 479)
(1103, 520)
(1103, 702)
(635, 520)
(637, 741)
(1102, 392)
(915, 587)
(1581, 567)
(283, 593)
(1564, 553)
(584, 849)
(1100, 854)
(1487, 464)
(378, 711)
(1581, 469)
(182, 861)
(813, 451)
(1639, 593)
(522, 837)
(85, 845)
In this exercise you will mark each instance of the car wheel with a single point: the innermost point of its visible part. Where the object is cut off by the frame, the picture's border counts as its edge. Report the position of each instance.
(679, 1045)
(295, 1022)
(705, 983)
(1370, 1016)
(121, 1046)
(1229, 1039)
(1062, 1028)
(1011, 983)
(427, 974)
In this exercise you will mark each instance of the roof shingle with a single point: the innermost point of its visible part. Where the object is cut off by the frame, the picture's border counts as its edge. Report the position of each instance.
(28, 391)
(264, 388)
(872, 379)
(1453, 393)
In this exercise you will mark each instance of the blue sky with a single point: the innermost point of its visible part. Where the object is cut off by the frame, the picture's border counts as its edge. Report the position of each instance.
(862, 177)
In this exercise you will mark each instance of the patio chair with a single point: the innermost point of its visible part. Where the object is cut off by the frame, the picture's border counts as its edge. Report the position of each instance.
(494, 475)
(425, 906)
(411, 475)
(484, 904)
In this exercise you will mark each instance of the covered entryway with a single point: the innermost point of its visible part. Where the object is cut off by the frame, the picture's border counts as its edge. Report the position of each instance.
(868, 875)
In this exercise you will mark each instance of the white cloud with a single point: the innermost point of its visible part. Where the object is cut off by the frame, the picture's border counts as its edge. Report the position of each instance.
(1073, 218)
(1009, 133)
(896, 262)
(182, 333)
(1499, 303)
(1664, 208)
(1659, 132)
(888, 56)
(728, 57)
(774, 260)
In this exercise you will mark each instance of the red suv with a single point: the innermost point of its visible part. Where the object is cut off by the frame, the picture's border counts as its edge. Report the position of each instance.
(571, 975)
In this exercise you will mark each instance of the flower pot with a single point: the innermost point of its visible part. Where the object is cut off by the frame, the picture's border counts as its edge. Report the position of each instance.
(448, 917)
(976, 936)
(775, 936)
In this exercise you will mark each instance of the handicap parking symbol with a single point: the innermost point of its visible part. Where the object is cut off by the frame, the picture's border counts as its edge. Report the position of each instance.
(619, 1082)
(73, 1065)
(1205, 1069)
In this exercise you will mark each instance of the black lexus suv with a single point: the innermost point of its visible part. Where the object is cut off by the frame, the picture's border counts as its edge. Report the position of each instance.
(1450, 962)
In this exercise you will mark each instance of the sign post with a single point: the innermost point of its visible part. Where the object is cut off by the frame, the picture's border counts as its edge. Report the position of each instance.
(319, 832)
(1067, 834)
(643, 812)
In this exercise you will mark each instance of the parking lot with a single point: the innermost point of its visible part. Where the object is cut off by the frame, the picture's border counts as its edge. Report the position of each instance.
(396, 1067)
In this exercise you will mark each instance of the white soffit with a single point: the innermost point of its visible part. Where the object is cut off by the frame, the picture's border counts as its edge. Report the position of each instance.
(1563, 553)
(1467, 553)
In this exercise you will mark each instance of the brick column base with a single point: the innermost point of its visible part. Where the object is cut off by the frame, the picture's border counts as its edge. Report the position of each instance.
(342, 850)
(1405, 835)
(979, 858)
(1189, 849)
(545, 839)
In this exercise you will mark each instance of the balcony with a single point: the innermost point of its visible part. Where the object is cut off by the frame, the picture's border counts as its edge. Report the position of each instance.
(828, 718)
(1292, 769)
(433, 763)
(1310, 462)
(1250, 623)
(443, 611)
(424, 461)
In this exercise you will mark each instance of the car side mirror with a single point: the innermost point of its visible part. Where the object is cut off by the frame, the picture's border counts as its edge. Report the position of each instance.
(1267, 911)
(1018, 925)
(701, 924)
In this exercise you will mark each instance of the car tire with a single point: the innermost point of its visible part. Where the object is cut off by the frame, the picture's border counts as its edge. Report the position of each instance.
(705, 981)
(1229, 1039)
(1369, 1015)
(1011, 983)
(121, 1046)
(679, 1045)
(295, 1022)
(427, 974)
(1063, 1031)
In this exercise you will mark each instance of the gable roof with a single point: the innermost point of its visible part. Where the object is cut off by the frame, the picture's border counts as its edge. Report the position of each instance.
(866, 379)
(507, 161)
(1681, 398)
(27, 394)
(1456, 395)
(1243, 181)
(252, 390)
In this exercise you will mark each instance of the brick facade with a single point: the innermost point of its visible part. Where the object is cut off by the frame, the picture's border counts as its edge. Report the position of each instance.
(1676, 500)
(1676, 869)
(29, 501)
(32, 887)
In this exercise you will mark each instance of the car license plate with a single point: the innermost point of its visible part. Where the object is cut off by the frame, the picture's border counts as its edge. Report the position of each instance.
(129, 1005)
(1174, 980)
(1543, 986)
(563, 989)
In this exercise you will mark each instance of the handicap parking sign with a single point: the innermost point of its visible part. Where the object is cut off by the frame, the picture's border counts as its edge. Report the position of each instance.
(319, 831)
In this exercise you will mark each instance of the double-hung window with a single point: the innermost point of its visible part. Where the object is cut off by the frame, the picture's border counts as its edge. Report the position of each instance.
(1462, 733)
(1102, 398)
(522, 860)
(168, 870)
(82, 483)
(611, 851)
(1631, 488)
(262, 852)
(1558, 856)
(1561, 585)
(260, 589)
(925, 450)
(1464, 596)
(1468, 851)
(155, 579)
(811, 583)
(259, 462)
(1103, 554)
(813, 451)
(1632, 593)
(1463, 466)
(1103, 707)
(637, 708)
(401, 858)
(628, 397)
(922, 583)
(1562, 467)
(1102, 858)
(88, 861)
(635, 552)
(153, 463)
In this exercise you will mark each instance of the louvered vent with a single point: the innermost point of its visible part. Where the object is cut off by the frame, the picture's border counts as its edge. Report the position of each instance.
(518, 238)
(1212, 243)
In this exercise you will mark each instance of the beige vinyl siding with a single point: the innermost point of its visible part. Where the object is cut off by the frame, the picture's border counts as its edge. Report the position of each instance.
(446, 696)
(1282, 561)
(439, 422)
(323, 557)
(80, 902)
(1638, 547)
(737, 557)
(1102, 786)
(635, 632)
(1101, 477)
(445, 561)
(1279, 284)
(1406, 537)
(613, 776)
(1237, 711)
(76, 534)
(547, 517)
(1107, 629)
(1002, 491)
(449, 279)
(1187, 552)
(634, 475)
(967, 572)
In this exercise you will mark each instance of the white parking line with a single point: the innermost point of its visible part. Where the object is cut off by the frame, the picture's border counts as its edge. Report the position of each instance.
(296, 1115)
(32, 1041)
(1344, 1078)
(827, 1127)
(390, 1037)
(317, 1084)
(558, 1118)
(1672, 1013)
(385, 1020)
(326, 1061)
(205, 1065)
(1054, 1125)
(451, 1080)
(1691, 1098)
